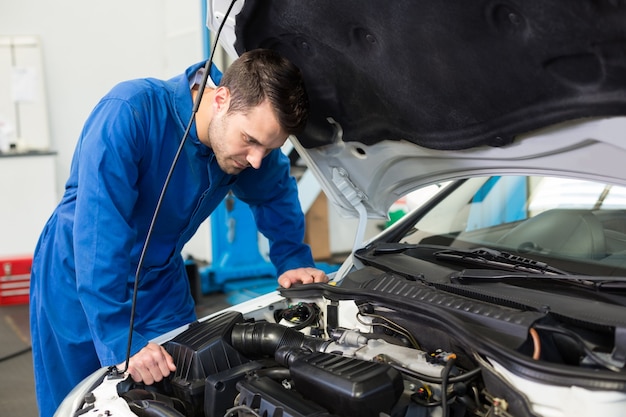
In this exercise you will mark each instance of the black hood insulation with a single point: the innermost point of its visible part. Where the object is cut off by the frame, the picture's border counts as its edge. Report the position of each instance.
(446, 75)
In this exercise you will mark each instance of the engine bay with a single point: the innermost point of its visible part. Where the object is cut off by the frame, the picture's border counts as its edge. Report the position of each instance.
(227, 366)
(378, 345)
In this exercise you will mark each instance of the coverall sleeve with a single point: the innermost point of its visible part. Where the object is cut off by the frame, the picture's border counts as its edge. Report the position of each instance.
(108, 155)
(272, 194)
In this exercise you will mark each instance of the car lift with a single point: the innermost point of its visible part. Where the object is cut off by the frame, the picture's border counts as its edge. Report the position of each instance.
(237, 265)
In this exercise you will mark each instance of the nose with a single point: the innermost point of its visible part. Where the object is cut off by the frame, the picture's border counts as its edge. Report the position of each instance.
(255, 157)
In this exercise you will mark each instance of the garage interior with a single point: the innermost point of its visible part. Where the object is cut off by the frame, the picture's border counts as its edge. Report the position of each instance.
(55, 64)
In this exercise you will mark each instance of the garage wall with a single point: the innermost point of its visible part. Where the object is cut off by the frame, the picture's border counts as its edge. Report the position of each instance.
(89, 46)
(86, 48)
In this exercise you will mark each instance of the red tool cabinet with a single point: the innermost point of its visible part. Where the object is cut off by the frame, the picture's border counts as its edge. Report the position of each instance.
(15, 280)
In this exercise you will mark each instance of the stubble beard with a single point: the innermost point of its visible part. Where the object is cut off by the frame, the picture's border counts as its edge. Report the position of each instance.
(226, 164)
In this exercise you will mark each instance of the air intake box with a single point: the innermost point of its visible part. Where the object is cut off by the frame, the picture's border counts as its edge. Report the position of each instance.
(201, 351)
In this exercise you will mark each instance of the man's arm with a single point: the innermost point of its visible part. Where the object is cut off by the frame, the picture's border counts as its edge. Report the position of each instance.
(272, 194)
(103, 233)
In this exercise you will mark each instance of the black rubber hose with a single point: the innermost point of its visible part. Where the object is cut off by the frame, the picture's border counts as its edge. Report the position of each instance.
(264, 339)
(150, 408)
(273, 373)
(445, 410)
(138, 395)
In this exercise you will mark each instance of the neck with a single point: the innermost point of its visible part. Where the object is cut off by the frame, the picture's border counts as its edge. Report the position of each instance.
(204, 114)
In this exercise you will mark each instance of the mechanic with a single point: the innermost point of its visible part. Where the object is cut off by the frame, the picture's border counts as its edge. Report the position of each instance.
(86, 259)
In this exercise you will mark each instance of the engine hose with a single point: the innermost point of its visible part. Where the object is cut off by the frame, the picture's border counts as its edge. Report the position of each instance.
(137, 395)
(273, 373)
(254, 339)
(151, 408)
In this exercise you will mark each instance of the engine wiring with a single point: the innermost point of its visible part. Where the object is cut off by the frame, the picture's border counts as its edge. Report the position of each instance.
(450, 388)
(448, 359)
(467, 376)
(393, 326)
(497, 407)
(445, 373)
(300, 315)
(593, 356)
(234, 411)
(536, 343)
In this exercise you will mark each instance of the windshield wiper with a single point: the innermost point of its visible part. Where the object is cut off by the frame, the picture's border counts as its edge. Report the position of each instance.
(489, 275)
(519, 268)
(498, 259)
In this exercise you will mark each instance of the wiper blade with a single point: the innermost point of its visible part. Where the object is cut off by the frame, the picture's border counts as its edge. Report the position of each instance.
(498, 259)
(485, 275)
(385, 248)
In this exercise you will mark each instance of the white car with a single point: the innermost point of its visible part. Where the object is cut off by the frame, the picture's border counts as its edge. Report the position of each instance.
(504, 294)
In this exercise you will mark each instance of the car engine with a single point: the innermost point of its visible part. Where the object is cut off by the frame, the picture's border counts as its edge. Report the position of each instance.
(295, 365)
(378, 345)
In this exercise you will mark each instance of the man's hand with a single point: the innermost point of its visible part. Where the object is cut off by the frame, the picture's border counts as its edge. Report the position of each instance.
(303, 276)
(151, 364)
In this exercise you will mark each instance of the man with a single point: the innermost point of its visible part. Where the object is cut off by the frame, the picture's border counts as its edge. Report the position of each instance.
(87, 257)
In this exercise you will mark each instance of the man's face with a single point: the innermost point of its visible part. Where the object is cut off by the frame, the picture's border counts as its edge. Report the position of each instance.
(242, 140)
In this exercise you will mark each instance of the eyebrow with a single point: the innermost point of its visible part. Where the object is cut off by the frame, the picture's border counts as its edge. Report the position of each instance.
(252, 139)
(257, 142)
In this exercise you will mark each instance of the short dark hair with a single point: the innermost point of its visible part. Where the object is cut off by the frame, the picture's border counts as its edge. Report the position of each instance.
(262, 74)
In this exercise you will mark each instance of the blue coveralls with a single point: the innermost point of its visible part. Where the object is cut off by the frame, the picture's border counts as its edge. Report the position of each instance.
(85, 262)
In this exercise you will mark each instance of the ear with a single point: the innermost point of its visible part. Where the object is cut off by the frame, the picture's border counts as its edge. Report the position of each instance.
(221, 99)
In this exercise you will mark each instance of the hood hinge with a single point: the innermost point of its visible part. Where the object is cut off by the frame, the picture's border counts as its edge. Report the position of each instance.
(355, 197)
(619, 352)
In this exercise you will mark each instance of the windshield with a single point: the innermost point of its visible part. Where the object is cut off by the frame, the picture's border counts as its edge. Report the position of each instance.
(581, 225)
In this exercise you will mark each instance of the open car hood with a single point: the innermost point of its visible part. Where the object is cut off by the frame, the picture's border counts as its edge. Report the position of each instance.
(406, 93)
